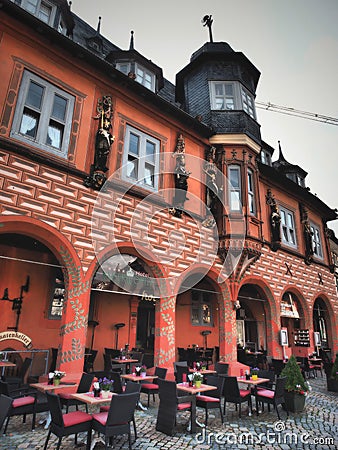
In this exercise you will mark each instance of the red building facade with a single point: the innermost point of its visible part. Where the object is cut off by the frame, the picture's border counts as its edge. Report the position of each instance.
(127, 200)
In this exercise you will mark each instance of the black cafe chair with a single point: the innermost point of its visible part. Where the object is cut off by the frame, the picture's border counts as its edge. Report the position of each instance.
(118, 419)
(170, 404)
(232, 394)
(23, 403)
(152, 388)
(213, 399)
(66, 424)
(273, 397)
(85, 384)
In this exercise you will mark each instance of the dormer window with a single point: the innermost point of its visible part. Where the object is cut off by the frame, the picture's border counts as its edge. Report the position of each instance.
(145, 77)
(123, 67)
(231, 95)
(296, 178)
(42, 9)
(265, 157)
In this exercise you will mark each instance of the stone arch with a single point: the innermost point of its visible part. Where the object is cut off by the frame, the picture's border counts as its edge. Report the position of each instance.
(302, 303)
(164, 307)
(330, 317)
(74, 319)
(272, 321)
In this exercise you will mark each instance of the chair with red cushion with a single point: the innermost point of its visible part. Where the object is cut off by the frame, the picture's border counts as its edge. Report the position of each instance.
(273, 397)
(66, 424)
(23, 402)
(213, 398)
(117, 420)
(84, 386)
(5, 406)
(130, 388)
(232, 394)
(170, 404)
(152, 388)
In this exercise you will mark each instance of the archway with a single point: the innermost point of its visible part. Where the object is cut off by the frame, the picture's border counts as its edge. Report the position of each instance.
(31, 248)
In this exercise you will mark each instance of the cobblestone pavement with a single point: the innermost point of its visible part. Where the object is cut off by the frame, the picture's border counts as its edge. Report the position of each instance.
(314, 429)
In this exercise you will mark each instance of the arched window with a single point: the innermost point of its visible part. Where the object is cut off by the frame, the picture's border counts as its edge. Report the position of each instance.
(319, 321)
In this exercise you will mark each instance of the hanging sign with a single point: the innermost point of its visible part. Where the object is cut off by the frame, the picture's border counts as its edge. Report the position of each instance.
(23, 338)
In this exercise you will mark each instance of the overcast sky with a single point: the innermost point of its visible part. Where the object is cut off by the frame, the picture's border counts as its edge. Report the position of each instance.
(293, 43)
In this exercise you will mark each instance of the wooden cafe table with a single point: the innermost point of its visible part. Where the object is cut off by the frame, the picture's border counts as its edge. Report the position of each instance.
(254, 384)
(126, 361)
(88, 397)
(43, 387)
(139, 379)
(193, 390)
(5, 363)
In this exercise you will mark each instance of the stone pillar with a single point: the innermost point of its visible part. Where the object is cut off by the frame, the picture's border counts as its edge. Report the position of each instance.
(133, 301)
(165, 350)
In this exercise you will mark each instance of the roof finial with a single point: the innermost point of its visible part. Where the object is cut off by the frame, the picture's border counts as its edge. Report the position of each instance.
(207, 21)
(99, 26)
(131, 45)
(70, 5)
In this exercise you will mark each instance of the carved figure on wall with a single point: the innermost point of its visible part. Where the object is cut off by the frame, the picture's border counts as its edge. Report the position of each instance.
(275, 221)
(307, 232)
(104, 138)
(181, 180)
(103, 142)
(181, 175)
(212, 188)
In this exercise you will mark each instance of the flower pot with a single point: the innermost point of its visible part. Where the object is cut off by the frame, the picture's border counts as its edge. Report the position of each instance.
(105, 394)
(143, 374)
(56, 381)
(254, 377)
(198, 384)
(294, 402)
(332, 385)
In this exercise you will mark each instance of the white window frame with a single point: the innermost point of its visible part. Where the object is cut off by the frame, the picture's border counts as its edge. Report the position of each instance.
(141, 77)
(37, 8)
(45, 115)
(288, 229)
(316, 241)
(239, 99)
(119, 66)
(251, 193)
(235, 204)
(200, 302)
(141, 158)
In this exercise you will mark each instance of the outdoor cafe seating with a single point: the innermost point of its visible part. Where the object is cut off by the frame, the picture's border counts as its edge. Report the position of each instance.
(117, 420)
(67, 424)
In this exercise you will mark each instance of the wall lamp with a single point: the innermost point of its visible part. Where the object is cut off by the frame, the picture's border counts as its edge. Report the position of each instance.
(16, 302)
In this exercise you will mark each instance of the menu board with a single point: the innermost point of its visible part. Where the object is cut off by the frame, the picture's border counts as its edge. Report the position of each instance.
(302, 338)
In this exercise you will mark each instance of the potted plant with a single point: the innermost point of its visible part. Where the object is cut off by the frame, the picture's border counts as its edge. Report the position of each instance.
(143, 371)
(332, 377)
(197, 379)
(57, 376)
(296, 387)
(254, 373)
(105, 385)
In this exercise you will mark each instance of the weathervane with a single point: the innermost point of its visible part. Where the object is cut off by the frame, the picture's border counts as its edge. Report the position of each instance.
(207, 21)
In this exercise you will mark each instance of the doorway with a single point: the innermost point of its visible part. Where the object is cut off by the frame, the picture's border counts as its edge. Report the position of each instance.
(145, 333)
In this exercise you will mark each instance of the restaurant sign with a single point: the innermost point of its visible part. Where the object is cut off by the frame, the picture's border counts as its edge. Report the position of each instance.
(7, 335)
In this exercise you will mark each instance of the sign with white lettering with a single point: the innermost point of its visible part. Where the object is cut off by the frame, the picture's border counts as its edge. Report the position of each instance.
(7, 335)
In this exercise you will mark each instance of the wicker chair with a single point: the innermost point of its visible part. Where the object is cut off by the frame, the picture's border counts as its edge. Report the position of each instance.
(66, 424)
(213, 399)
(152, 388)
(117, 420)
(232, 394)
(170, 404)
